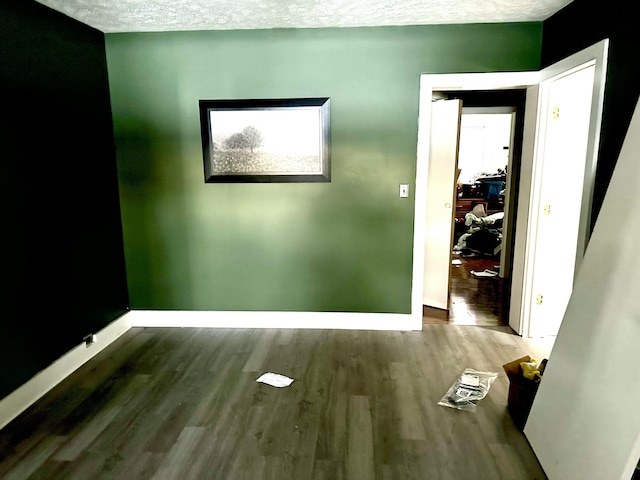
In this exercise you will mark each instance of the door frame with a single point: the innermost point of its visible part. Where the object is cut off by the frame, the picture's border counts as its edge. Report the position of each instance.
(534, 112)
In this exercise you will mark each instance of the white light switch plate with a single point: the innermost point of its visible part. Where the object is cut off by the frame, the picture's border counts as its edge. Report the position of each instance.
(404, 190)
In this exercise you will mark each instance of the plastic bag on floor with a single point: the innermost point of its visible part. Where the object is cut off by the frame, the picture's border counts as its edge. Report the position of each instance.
(471, 387)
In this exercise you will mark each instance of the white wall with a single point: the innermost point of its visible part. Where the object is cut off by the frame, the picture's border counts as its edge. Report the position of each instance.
(585, 421)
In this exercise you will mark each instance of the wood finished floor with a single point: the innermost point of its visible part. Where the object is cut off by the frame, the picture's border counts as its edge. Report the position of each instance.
(473, 300)
(184, 404)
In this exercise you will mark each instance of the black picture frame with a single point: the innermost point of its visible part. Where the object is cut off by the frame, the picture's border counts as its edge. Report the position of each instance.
(266, 140)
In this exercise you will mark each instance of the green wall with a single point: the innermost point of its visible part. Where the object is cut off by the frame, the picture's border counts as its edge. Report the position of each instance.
(339, 246)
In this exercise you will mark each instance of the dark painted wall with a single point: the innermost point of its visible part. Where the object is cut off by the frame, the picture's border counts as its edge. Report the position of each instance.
(62, 261)
(579, 25)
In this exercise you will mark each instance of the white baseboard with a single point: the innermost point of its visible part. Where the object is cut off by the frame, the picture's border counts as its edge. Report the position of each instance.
(24, 396)
(310, 320)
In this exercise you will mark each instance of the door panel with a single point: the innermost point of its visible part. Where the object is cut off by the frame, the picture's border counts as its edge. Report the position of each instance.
(547, 263)
(441, 179)
(560, 200)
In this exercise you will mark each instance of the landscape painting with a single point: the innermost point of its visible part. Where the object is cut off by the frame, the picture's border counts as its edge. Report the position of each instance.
(285, 140)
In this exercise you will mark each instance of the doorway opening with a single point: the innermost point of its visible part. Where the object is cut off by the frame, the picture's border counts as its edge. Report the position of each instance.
(485, 195)
(432, 244)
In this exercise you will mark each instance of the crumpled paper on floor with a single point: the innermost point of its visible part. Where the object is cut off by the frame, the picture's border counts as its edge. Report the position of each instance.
(485, 273)
(275, 380)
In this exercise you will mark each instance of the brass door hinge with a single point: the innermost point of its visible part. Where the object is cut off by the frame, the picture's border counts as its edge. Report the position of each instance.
(547, 209)
(556, 112)
(539, 300)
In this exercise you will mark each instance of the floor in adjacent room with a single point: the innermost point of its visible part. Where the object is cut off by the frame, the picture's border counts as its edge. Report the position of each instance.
(184, 403)
(474, 300)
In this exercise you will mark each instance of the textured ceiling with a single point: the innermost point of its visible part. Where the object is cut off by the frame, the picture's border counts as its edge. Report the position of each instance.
(166, 15)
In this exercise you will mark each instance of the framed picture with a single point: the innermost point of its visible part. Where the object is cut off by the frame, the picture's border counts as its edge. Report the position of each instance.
(283, 140)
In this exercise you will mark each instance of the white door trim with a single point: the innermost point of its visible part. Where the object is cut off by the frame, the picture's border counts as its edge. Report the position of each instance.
(428, 85)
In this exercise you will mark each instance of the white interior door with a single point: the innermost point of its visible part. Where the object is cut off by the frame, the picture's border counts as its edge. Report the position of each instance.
(440, 204)
(558, 205)
(558, 165)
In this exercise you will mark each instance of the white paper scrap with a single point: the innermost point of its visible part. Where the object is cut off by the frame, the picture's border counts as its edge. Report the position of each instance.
(470, 379)
(275, 380)
(456, 262)
(485, 273)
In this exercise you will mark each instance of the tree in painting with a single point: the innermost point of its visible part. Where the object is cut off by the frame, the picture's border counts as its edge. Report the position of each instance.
(253, 136)
(250, 138)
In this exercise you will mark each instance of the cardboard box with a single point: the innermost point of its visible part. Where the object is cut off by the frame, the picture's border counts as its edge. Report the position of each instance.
(522, 391)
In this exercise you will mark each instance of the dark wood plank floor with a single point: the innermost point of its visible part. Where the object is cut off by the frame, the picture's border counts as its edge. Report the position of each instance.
(473, 300)
(183, 403)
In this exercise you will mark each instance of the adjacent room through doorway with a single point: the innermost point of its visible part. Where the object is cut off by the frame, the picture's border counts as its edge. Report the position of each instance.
(490, 144)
